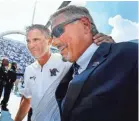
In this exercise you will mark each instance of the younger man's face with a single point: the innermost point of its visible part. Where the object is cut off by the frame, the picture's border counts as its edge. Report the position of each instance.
(37, 43)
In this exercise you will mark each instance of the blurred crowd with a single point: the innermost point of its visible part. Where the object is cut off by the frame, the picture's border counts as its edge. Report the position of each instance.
(10, 80)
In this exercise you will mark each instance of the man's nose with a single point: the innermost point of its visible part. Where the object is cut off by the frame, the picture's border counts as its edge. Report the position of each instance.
(31, 45)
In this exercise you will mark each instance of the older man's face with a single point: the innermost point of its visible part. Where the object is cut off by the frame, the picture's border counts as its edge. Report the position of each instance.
(69, 38)
(37, 43)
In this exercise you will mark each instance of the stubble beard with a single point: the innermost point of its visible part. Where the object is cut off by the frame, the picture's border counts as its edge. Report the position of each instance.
(46, 51)
(67, 58)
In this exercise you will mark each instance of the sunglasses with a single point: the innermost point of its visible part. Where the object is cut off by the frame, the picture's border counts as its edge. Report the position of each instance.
(59, 29)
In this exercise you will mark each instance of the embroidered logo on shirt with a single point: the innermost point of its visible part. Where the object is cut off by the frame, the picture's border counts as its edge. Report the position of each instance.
(53, 71)
(33, 77)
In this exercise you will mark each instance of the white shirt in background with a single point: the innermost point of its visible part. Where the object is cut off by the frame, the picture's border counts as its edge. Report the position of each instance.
(40, 86)
(85, 58)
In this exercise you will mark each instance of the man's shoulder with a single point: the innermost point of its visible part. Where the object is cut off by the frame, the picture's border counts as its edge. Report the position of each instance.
(57, 61)
(11, 71)
(29, 67)
(125, 50)
(127, 46)
(56, 56)
(32, 64)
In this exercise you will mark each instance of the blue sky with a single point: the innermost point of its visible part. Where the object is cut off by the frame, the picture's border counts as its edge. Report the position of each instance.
(118, 19)
(102, 12)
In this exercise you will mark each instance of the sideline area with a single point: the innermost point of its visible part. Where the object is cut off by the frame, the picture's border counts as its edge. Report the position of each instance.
(13, 107)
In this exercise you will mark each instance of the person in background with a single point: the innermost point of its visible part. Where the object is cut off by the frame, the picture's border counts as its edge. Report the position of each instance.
(9, 85)
(3, 78)
(102, 84)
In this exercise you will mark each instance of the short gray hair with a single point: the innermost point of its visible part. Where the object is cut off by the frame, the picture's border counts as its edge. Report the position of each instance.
(72, 12)
(41, 28)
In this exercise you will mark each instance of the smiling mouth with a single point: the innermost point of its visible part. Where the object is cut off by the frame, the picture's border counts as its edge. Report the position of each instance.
(34, 50)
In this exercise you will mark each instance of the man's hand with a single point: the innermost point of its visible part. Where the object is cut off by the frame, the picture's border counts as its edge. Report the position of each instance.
(100, 38)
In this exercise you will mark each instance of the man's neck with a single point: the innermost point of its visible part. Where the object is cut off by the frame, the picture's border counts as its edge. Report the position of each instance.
(42, 60)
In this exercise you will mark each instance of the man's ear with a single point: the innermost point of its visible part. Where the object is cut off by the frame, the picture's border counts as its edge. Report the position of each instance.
(54, 42)
(50, 41)
(87, 24)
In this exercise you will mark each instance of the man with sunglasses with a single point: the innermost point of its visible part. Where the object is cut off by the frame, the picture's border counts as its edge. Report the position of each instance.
(102, 83)
(43, 76)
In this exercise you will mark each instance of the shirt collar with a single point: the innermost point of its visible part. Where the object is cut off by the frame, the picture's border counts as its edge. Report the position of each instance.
(85, 58)
(37, 65)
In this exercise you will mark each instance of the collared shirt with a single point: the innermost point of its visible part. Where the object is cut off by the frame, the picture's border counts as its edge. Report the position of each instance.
(40, 86)
(85, 58)
(83, 62)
